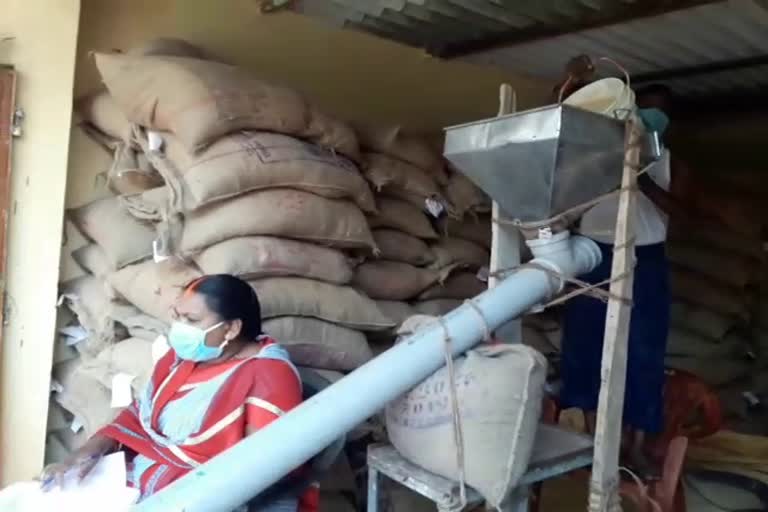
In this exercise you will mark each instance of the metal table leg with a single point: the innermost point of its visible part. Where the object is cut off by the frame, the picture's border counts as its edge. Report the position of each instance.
(374, 483)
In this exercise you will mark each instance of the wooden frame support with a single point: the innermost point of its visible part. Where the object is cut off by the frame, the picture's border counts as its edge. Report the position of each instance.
(505, 238)
(604, 488)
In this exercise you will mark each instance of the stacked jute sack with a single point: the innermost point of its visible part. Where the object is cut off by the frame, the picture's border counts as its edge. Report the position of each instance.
(431, 238)
(214, 171)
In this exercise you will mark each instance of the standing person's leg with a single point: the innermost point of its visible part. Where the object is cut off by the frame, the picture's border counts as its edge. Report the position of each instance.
(643, 401)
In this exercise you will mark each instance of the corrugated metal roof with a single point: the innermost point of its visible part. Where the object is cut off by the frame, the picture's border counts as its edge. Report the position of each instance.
(717, 33)
(712, 33)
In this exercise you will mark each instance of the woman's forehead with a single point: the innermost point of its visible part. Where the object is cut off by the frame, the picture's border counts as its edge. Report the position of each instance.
(192, 303)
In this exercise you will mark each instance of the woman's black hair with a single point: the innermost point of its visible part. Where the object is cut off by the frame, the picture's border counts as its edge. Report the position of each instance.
(232, 299)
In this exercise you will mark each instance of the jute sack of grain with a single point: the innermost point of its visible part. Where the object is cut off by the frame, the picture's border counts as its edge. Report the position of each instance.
(329, 132)
(279, 212)
(685, 343)
(131, 172)
(449, 251)
(706, 323)
(93, 260)
(138, 324)
(397, 311)
(715, 372)
(89, 298)
(721, 266)
(392, 176)
(694, 289)
(393, 280)
(123, 238)
(402, 216)
(392, 141)
(474, 229)
(255, 257)
(500, 391)
(154, 287)
(85, 398)
(292, 330)
(436, 307)
(295, 296)
(197, 100)
(400, 246)
(170, 47)
(461, 285)
(131, 357)
(248, 161)
(101, 111)
(465, 197)
(716, 237)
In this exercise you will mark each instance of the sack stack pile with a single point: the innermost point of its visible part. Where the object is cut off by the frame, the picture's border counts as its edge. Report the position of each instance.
(214, 171)
(422, 266)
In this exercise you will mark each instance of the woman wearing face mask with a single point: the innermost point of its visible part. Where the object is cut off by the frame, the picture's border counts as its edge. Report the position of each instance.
(222, 380)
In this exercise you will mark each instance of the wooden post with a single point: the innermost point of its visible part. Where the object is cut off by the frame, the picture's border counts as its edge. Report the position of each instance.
(505, 238)
(604, 495)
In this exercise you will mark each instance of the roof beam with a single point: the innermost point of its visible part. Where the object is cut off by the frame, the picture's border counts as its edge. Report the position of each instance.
(703, 69)
(596, 19)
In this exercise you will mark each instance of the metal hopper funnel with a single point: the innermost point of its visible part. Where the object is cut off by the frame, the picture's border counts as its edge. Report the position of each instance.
(539, 163)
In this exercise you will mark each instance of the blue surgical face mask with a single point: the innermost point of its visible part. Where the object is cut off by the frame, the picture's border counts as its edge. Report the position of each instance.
(655, 120)
(188, 342)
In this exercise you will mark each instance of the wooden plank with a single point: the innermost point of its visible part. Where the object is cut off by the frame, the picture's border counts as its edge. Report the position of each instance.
(7, 106)
(505, 239)
(608, 432)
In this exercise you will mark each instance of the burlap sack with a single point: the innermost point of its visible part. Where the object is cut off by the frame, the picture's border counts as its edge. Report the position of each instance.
(399, 246)
(89, 298)
(474, 229)
(331, 133)
(397, 311)
(292, 330)
(465, 197)
(198, 100)
(168, 46)
(85, 398)
(131, 172)
(279, 212)
(713, 371)
(500, 391)
(123, 238)
(710, 236)
(696, 289)
(101, 111)
(393, 142)
(138, 324)
(402, 216)
(154, 287)
(132, 357)
(703, 322)
(721, 266)
(248, 161)
(295, 296)
(449, 251)
(686, 343)
(461, 285)
(393, 280)
(93, 260)
(265, 256)
(63, 352)
(394, 176)
(57, 417)
(55, 451)
(436, 307)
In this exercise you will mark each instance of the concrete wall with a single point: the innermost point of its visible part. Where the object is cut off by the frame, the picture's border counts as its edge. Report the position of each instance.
(43, 53)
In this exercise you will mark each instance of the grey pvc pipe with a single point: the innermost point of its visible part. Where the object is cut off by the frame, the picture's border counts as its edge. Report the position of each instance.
(253, 465)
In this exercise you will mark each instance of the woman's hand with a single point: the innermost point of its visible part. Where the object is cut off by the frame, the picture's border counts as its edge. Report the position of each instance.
(80, 463)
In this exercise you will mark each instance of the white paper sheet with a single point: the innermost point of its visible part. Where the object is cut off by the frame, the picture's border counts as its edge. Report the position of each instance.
(105, 484)
(122, 394)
